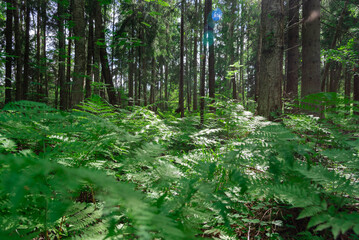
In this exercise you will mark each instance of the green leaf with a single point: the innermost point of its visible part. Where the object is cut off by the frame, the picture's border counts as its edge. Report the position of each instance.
(146, 24)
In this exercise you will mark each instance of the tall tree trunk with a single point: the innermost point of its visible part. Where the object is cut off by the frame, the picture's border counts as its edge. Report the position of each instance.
(44, 75)
(347, 87)
(80, 56)
(62, 52)
(241, 55)
(90, 54)
(111, 92)
(161, 84)
(139, 76)
(203, 57)
(166, 67)
(8, 38)
(258, 66)
(18, 52)
(181, 100)
(96, 57)
(356, 92)
(130, 77)
(166, 85)
(153, 82)
(144, 76)
(231, 51)
(188, 66)
(68, 88)
(25, 87)
(195, 53)
(211, 73)
(68, 72)
(335, 76)
(38, 56)
(293, 50)
(271, 65)
(333, 44)
(311, 48)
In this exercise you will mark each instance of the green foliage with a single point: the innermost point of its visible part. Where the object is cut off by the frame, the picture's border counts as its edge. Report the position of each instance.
(101, 172)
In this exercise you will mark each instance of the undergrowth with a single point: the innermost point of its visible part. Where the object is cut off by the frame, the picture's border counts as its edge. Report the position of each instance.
(100, 172)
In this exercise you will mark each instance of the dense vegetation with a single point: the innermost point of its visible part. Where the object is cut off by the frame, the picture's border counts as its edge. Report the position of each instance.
(187, 119)
(100, 171)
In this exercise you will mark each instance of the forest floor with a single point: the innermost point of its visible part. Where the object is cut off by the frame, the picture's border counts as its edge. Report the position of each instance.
(101, 171)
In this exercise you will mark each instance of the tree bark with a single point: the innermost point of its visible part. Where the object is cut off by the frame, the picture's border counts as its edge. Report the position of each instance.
(25, 87)
(271, 65)
(211, 73)
(356, 91)
(333, 44)
(203, 57)
(293, 50)
(231, 51)
(8, 39)
(195, 53)
(153, 84)
(90, 54)
(241, 55)
(44, 75)
(130, 78)
(62, 52)
(96, 57)
(166, 85)
(111, 92)
(347, 88)
(80, 56)
(68, 95)
(38, 52)
(181, 100)
(18, 52)
(310, 48)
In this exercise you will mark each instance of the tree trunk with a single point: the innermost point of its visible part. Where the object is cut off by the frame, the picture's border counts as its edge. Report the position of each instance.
(356, 91)
(111, 92)
(25, 87)
(211, 73)
(144, 77)
(203, 57)
(18, 52)
(195, 46)
(139, 76)
(62, 52)
(96, 58)
(153, 84)
(68, 95)
(130, 77)
(311, 48)
(38, 52)
(188, 67)
(8, 39)
(258, 66)
(271, 65)
(44, 75)
(80, 56)
(231, 50)
(166, 85)
(293, 50)
(333, 44)
(241, 55)
(181, 100)
(347, 88)
(90, 54)
(335, 76)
